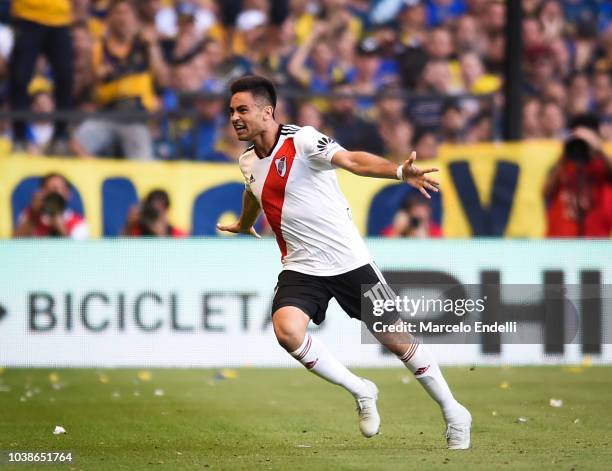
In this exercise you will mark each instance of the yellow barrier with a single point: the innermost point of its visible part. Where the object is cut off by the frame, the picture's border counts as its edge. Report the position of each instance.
(528, 163)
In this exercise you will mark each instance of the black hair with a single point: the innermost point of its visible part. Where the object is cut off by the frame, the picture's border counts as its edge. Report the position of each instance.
(260, 87)
(158, 195)
(586, 120)
(450, 105)
(115, 3)
(412, 201)
(420, 134)
(49, 176)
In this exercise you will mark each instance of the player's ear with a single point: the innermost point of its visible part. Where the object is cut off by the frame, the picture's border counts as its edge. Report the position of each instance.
(268, 112)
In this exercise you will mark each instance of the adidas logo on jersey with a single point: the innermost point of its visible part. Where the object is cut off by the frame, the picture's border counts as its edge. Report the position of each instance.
(252, 179)
(281, 166)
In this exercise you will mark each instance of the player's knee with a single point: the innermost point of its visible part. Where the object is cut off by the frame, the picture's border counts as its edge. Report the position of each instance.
(289, 335)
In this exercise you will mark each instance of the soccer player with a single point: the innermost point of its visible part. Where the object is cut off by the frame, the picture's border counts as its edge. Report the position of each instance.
(289, 173)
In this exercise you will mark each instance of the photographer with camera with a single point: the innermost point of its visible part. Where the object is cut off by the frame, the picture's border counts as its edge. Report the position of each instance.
(413, 219)
(150, 218)
(578, 190)
(49, 215)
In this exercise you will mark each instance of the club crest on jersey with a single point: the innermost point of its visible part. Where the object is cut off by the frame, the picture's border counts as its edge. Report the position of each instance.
(281, 166)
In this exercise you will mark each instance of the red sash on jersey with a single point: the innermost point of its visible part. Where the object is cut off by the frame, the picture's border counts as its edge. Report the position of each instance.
(273, 194)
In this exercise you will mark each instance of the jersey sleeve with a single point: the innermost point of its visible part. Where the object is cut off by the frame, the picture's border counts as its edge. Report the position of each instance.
(317, 148)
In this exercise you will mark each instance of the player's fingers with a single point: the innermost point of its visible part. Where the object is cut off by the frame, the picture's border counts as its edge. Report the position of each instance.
(430, 170)
(430, 187)
(225, 228)
(431, 181)
(412, 157)
(424, 192)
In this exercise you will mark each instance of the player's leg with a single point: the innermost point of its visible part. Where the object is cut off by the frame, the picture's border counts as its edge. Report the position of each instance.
(299, 299)
(415, 356)
(420, 361)
(290, 327)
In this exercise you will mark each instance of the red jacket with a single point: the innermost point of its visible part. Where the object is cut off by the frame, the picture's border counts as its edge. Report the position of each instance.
(581, 203)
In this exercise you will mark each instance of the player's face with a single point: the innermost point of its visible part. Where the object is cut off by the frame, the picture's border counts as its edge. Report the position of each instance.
(247, 116)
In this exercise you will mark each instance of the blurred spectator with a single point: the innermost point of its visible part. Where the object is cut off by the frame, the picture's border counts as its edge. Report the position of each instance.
(578, 190)
(227, 148)
(555, 91)
(48, 214)
(168, 17)
(480, 129)
(412, 21)
(348, 129)
(453, 123)
(188, 41)
(602, 90)
(127, 62)
(84, 76)
(397, 139)
(426, 143)
(280, 45)
(439, 44)
(493, 16)
(496, 53)
(41, 27)
(150, 218)
(390, 105)
(309, 115)
(468, 35)
(585, 44)
(606, 122)
(603, 61)
(199, 142)
(532, 125)
(551, 18)
(40, 133)
(440, 12)
(539, 69)
(282, 111)
(561, 57)
(579, 101)
(411, 56)
(313, 65)
(425, 111)
(368, 76)
(552, 120)
(531, 34)
(96, 23)
(6, 46)
(414, 220)
(475, 78)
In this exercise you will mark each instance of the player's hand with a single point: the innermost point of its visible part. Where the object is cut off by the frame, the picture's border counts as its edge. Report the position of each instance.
(236, 228)
(418, 178)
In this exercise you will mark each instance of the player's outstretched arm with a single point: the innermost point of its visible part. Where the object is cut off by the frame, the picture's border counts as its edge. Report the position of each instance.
(248, 216)
(370, 165)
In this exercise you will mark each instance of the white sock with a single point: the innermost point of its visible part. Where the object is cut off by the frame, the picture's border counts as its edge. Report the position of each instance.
(421, 362)
(316, 358)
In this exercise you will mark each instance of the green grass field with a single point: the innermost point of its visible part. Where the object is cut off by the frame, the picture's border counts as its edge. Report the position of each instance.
(290, 419)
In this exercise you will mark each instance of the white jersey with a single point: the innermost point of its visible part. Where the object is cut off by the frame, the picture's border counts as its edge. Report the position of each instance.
(297, 189)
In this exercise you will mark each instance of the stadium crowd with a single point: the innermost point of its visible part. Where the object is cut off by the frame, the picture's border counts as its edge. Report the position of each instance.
(160, 55)
(403, 74)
